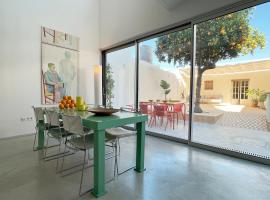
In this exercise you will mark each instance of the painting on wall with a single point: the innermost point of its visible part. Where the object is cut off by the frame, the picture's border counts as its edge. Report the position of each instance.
(60, 60)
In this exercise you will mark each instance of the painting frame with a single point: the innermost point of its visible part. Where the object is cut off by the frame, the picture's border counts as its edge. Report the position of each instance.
(59, 65)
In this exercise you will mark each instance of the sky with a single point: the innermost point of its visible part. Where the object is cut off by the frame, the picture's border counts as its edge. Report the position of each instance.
(259, 20)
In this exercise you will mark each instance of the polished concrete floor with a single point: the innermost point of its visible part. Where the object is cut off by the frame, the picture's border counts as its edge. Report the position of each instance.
(173, 171)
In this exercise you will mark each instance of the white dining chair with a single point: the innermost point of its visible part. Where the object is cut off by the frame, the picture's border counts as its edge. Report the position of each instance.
(119, 133)
(55, 131)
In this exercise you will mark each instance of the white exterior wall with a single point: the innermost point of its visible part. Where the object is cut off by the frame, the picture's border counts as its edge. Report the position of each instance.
(149, 83)
(223, 84)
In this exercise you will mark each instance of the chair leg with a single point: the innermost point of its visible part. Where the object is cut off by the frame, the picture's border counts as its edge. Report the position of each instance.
(154, 121)
(80, 191)
(166, 124)
(118, 142)
(46, 149)
(173, 121)
(35, 141)
(59, 149)
(63, 158)
(89, 158)
(116, 159)
(173, 124)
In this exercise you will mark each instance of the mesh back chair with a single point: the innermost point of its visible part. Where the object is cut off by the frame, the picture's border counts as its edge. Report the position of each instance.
(39, 116)
(55, 131)
(81, 140)
(118, 133)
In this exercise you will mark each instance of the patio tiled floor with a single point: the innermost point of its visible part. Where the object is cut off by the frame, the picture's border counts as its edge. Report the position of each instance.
(240, 128)
(250, 118)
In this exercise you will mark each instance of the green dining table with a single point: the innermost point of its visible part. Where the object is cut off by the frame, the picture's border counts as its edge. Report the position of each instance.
(99, 124)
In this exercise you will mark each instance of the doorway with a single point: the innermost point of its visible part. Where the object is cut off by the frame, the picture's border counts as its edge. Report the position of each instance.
(239, 90)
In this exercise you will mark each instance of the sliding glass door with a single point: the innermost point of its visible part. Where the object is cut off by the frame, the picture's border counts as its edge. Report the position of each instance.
(223, 61)
(164, 77)
(231, 82)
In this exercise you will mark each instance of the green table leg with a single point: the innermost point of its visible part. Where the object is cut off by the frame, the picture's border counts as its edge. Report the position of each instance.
(140, 146)
(99, 163)
(41, 127)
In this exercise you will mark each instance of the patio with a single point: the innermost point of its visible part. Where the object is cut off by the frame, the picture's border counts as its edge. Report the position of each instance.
(239, 128)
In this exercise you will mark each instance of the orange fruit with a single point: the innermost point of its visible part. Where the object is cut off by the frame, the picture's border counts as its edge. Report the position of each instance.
(66, 105)
(65, 97)
(69, 101)
(61, 106)
(69, 97)
(63, 101)
(71, 105)
(72, 101)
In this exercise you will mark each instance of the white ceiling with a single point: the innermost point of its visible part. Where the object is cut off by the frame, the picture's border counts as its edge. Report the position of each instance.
(121, 20)
(171, 4)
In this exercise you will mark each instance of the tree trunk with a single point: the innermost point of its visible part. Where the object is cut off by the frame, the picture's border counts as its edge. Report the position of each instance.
(197, 108)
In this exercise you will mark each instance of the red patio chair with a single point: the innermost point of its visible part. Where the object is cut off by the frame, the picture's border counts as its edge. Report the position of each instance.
(179, 108)
(161, 111)
(145, 108)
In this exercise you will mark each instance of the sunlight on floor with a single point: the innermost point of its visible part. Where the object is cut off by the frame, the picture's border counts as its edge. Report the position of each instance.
(229, 107)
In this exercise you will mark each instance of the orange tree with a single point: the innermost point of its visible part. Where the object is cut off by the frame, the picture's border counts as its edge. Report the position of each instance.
(218, 39)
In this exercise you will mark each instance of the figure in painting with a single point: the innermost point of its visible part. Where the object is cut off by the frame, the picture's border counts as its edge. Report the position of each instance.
(67, 72)
(54, 82)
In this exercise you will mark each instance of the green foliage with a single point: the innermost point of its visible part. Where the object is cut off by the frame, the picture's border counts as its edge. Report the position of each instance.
(222, 38)
(109, 85)
(167, 91)
(262, 97)
(165, 86)
(256, 95)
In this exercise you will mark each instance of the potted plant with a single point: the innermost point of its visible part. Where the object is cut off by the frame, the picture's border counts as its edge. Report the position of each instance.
(262, 99)
(254, 94)
(109, 86)
(166, 87)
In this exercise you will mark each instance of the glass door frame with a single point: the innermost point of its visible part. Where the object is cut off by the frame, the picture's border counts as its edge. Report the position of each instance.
(163, 33)
(218, 13)
(136, 43)
(175, 27)
(104, 62)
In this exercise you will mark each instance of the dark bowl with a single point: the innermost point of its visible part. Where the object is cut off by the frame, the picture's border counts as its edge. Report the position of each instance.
(103, 111)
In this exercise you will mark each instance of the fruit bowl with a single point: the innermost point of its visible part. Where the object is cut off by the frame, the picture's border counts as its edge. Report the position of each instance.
(103, 111)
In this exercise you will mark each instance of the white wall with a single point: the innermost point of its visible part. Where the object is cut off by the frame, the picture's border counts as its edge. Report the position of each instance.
(124, 19)
(98, 23)
(20, 23)
(149, 83)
